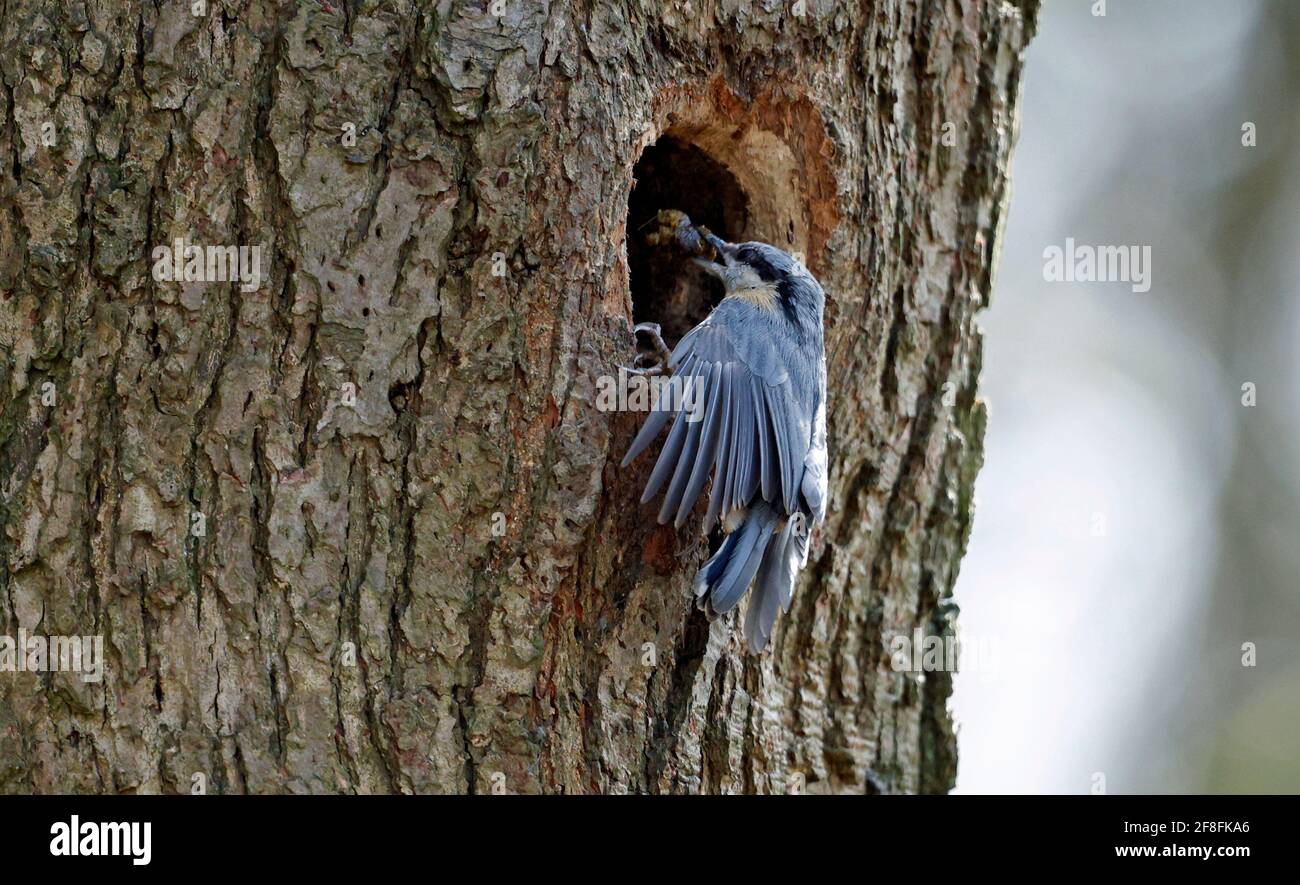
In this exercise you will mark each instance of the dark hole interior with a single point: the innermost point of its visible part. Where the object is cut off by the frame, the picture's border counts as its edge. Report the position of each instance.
(667, 288)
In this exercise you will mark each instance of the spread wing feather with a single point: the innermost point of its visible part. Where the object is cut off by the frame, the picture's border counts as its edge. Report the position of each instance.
(708, 444)
(724, 448)
(753, 420)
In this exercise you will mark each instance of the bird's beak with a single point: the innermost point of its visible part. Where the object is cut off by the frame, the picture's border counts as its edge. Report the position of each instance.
(712, 267)
(722, 251)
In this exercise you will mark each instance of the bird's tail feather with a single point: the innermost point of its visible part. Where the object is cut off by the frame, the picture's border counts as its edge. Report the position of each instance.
(723, 580)
(775, 582)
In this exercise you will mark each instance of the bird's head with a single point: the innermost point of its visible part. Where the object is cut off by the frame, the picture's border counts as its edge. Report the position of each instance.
(762, 274)
(745, 266)
(756, 272)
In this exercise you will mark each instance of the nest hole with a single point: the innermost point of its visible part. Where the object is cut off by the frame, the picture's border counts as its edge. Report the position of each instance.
(667, 288)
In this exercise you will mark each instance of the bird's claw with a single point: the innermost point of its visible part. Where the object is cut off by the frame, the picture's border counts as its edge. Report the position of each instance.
(660, 350)
(658, 369)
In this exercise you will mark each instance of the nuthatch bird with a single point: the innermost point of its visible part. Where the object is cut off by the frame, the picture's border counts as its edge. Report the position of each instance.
(760, 364)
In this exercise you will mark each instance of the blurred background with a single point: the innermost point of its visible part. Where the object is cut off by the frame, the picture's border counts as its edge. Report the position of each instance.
(1136, 524)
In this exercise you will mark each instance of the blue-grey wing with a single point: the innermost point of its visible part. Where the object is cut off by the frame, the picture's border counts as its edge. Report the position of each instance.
(748, 410)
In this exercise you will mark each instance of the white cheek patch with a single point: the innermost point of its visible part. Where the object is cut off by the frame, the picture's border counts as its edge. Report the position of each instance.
(742, 276)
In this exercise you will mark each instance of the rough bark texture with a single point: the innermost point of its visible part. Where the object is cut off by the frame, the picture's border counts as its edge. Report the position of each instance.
(349, 620)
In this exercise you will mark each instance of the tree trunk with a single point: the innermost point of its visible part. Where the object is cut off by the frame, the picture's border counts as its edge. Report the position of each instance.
(357, 524)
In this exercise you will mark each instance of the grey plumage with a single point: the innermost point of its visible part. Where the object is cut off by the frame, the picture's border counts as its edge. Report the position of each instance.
(761, 428)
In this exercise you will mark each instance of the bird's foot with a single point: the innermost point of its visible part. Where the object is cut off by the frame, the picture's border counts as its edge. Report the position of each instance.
(656, 336)
(657, 361)
(648, 372)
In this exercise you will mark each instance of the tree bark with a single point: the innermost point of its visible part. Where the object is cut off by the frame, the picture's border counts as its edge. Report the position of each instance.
(362, 528)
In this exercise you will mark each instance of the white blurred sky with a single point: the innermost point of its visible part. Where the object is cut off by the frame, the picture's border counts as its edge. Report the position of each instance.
(1112, 408)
